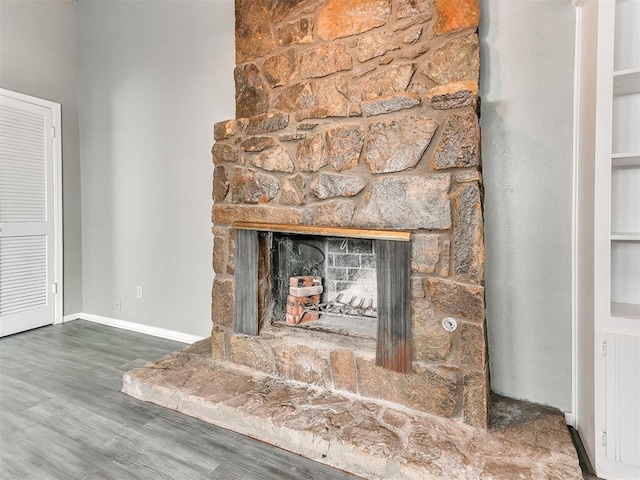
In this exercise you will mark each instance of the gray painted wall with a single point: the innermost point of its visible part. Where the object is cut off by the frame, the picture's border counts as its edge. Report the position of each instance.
(527, 63)
(154, 77)
(38, 58)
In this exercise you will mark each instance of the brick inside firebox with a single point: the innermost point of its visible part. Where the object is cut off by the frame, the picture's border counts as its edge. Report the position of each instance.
(304, 294)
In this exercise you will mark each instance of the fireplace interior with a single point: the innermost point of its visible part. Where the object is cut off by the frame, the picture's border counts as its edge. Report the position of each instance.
(346, 267)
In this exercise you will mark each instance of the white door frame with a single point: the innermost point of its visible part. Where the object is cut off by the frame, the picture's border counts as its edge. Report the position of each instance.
(58, 265)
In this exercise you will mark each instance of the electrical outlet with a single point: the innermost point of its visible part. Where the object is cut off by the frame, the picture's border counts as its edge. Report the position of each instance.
(118, 305)
(139, 291)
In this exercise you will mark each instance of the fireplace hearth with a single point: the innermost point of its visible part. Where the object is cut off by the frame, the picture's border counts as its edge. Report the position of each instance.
(354, 117)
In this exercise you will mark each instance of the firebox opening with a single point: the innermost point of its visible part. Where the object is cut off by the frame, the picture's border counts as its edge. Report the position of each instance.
(324, 283)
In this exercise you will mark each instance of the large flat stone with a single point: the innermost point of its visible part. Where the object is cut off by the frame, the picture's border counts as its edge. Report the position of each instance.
(390, 203)
(454, 15)
(397, 145)
(457, 60)
(252, 92)
(343, 18)
(254, 37)
(328, 185)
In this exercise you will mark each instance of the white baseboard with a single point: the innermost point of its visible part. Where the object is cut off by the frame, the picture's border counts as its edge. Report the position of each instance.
(569, 419)
(135, 327)
(71, 317)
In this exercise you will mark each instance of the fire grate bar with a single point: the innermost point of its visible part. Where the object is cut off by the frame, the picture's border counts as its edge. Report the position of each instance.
(353, 308)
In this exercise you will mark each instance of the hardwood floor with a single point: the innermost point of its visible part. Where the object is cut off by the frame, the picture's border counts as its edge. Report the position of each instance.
(62, 416)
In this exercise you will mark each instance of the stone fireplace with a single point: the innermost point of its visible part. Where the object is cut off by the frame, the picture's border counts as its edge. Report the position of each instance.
(357, 119)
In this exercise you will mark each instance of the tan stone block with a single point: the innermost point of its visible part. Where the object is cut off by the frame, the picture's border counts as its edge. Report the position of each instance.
(231, 263)
(341, 109)
(430, 341)
(506, 471)
(390, 103)
(445, 258)
(257, 144)
(454, 15)
(328, 185)
(218, 351)
(417, 287)
(222, 302)
(371, 437)
(281, 69)
(389, 203)
(343, 18)
(276, 159)
(227, 214)
(298, 32)
(312, 154)
(436, 456)
(457, 299)
(252, 352)
(476, 398)
(453, 95)
(344, 144)
(397, 145)
(425, 253)
(459, 143)
(472, 345)
(223, 152)
(412, 8)
(219, 253)
(220, 183)
(429, 389)
(269, 122)
(388, 81)
(252, 92)
(249, 186)
(293, 98)
(332, 213)
(224, 130)
(293, 190)
(375, 45)
(455, 61)
(468, 243)
(343, 370)
(303, 364)
(254, 37)
(324, 60)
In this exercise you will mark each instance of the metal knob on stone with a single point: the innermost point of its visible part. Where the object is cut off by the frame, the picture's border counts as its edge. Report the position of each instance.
(449, 324)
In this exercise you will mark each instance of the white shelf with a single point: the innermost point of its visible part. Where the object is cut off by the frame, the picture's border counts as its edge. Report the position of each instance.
(625, 310)
(626, 81)
(625, 160)
(625, 237)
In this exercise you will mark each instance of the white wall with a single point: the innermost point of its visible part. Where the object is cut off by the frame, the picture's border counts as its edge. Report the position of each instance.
(38, 58)
(527, 50)
(154, 78)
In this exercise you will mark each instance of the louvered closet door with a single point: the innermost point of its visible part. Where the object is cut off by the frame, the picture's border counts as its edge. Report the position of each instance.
(26, 216)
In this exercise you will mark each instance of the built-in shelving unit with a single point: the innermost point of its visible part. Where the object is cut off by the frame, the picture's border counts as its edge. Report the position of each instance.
(624, 183)
(617, 240)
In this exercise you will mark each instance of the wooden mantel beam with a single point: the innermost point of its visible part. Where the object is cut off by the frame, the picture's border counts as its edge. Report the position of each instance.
(395, 235)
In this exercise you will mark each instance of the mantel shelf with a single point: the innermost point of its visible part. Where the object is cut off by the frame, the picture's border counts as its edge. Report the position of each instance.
(395, 235)
(626, 81)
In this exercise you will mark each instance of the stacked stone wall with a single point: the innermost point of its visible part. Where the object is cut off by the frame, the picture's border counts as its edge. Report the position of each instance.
(363, 113)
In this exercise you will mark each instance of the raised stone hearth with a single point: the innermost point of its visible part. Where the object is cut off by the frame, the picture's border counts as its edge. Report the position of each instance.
(372, 439)
(359, 114)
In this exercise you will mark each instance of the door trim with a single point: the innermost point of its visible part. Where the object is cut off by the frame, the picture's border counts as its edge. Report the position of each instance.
(58, 265)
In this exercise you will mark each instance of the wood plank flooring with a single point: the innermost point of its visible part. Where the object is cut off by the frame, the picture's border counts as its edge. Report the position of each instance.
(62, 416)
